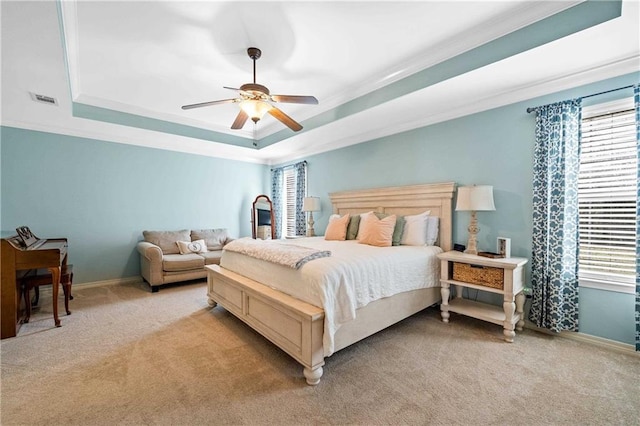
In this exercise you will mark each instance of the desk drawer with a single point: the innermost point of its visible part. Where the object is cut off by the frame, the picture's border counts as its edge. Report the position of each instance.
(478, 274)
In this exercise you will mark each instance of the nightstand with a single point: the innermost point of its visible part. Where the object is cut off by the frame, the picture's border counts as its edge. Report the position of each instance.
(503, 276)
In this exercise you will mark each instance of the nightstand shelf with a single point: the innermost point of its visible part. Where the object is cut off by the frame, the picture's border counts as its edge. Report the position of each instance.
(504, 276)
(481, 311)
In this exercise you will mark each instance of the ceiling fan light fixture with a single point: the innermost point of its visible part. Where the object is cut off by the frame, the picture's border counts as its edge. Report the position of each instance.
(255, 109)
(255, 101)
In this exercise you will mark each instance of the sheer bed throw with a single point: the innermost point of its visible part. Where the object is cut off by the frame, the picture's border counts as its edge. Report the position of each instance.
(351, 277)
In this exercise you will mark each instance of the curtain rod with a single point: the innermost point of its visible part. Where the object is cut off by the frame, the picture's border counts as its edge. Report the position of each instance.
(531, 109)
(290, 165)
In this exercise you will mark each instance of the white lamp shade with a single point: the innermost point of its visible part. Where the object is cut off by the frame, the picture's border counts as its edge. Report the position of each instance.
(475, 198)
(311, 204)
(255, 109)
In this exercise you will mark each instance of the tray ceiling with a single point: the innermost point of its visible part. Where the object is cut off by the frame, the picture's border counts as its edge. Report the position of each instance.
(377, 68)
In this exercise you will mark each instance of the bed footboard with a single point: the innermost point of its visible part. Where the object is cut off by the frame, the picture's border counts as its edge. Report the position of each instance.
(294, 326)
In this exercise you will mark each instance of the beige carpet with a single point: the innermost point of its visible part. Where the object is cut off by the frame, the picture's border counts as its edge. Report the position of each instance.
(127, 356)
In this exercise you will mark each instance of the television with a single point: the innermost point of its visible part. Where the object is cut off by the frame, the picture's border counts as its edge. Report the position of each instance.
(264, 217)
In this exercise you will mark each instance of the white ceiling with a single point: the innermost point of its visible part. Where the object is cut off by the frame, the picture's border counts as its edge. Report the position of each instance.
(150, 57)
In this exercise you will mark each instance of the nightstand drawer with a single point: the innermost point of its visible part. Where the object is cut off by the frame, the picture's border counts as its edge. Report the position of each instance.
(477, 274)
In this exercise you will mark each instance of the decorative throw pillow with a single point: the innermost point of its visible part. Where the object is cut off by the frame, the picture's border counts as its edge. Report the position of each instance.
(187, 247)
(415, 230)
(377, 232)
(337, 229)
(397, 230)
(432, 229)
(362, 216)
(352, 229)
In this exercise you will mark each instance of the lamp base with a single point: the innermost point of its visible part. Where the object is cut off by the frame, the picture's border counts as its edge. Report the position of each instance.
(310, 231)
(472, 247)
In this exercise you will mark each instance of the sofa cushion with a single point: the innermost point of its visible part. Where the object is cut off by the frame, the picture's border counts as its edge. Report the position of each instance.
(214, 238)
(212, 257)
(167, 240)
(182, 262)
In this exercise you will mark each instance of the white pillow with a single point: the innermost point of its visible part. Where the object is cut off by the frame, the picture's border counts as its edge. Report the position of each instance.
(187, 247)
(334, 217)
(415, 230)
(432, 229)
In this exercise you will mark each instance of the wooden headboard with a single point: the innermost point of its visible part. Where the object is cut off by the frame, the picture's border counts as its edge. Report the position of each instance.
(403, 200)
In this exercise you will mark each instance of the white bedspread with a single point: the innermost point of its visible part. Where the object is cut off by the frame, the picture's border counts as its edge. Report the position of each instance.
(355, 275)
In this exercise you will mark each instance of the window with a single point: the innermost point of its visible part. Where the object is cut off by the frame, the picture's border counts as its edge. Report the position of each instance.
(607, 197)
(289, 203)
(294, 189)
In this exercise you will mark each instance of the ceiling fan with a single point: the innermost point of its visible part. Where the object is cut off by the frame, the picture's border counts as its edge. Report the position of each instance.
(255, 101)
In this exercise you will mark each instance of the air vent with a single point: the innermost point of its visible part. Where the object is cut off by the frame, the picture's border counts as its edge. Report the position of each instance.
(44, 99)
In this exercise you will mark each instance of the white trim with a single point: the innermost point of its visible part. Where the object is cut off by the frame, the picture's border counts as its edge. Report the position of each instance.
(587, 338)
(607, 107)
(607, 285)
(520, 17)
(177, 143)
(221, 150)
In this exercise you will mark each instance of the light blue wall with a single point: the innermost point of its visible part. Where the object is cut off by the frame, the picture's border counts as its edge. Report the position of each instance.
(494, 148)
(102, 195)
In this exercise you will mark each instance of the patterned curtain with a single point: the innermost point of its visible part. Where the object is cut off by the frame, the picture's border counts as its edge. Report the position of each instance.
(636, 97)
(554, 264)
(277, 185)
(301, 192)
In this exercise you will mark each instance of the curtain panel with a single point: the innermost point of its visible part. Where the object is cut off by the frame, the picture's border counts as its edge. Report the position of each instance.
(636, 99)
(554, 265)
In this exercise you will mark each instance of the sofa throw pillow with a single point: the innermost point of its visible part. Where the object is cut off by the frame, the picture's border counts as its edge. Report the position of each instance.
(397, 230)
(187, 247)
(166, 240)
(415, 230)
(215, 239)
(377, 232)
(337, 229)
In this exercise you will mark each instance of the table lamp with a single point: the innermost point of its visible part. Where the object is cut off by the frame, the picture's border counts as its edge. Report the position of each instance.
(474, 198)
(311, 204)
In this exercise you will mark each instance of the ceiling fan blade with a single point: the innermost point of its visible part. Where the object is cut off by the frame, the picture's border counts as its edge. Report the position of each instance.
(231, 88)
(204, 104)
(295, 99)
(241, 118)
(285, 119)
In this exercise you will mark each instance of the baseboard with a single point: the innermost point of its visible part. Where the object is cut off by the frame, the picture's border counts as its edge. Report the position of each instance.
(116, 281)
(588, 338)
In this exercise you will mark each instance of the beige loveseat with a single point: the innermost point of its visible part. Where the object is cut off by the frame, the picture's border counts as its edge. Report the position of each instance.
(161, 260)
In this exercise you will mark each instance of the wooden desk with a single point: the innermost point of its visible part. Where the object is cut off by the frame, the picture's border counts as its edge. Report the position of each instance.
(15, 259)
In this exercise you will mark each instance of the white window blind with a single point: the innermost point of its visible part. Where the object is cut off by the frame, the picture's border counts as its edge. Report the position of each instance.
(607, 196)
(289, 210)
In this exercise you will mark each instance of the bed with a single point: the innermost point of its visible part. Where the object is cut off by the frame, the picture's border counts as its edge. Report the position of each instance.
(297, 326)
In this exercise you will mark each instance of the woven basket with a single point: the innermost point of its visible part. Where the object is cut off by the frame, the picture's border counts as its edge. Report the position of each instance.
(478, 274)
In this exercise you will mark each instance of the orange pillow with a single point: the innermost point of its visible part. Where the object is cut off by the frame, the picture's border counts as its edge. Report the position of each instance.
(377, 232)
(337, 229)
